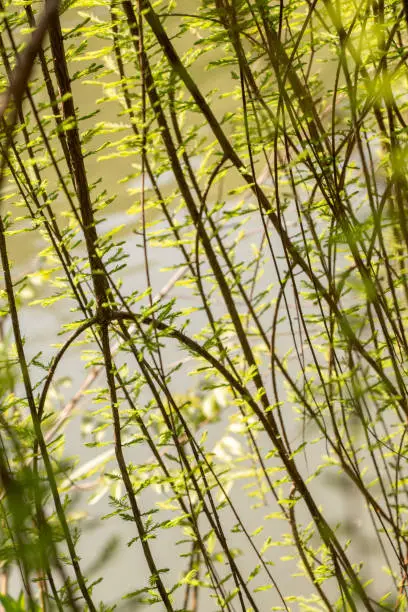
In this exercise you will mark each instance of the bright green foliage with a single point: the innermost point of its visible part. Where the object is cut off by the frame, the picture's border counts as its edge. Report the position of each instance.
(203, 214)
